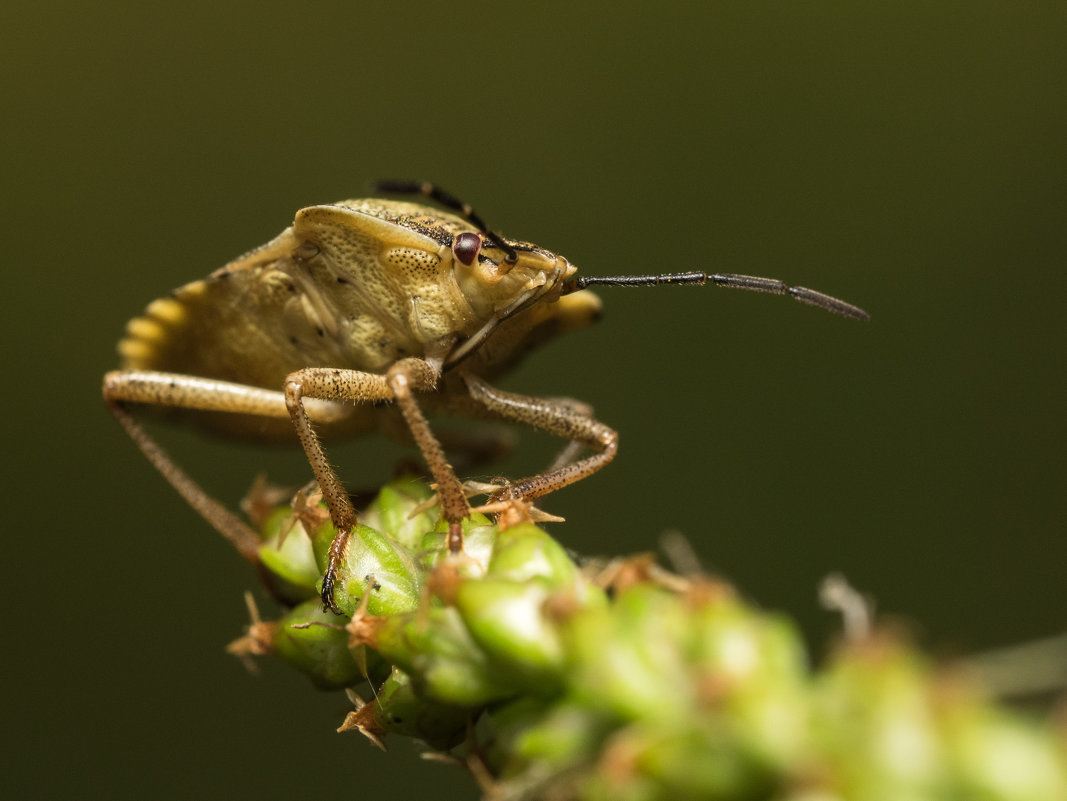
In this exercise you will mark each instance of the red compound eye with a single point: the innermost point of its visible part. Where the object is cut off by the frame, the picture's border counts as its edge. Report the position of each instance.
(466, 247)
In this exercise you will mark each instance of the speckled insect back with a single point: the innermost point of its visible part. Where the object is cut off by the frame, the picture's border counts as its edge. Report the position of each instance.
(356, 318)
(357, 285)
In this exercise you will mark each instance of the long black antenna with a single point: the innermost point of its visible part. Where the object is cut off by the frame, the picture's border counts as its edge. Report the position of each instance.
(731, 281)
(434, 192)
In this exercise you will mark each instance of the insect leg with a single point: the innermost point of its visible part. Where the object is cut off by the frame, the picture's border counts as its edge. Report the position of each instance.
(399, 383)
(570, 451)
(324, 383)
(179, 391)
(190, 392)
(410, 375)
(563, 418)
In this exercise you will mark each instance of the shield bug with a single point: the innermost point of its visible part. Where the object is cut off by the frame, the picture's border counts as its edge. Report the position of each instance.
(360, 316)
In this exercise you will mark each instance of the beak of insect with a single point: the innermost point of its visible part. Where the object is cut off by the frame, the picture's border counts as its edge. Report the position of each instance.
(526, 297)
(545, 284)
(536, 287)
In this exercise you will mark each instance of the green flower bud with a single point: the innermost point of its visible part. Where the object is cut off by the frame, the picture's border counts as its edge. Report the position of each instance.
(537, 741)
(309, 640)
(391, 512)
(399, 709)
(433, 646)
(999, 756)
(874, 724)
(627, 659)
(753, 666)
(479, 538)
(512, 625)
(525, 552)
(288, 557)
(695, 758)
(371, 555)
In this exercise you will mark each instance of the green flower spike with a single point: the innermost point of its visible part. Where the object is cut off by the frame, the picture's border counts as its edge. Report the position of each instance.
(627, 683)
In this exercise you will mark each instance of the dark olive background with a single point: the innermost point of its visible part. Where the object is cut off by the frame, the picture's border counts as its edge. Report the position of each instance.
(911, 159)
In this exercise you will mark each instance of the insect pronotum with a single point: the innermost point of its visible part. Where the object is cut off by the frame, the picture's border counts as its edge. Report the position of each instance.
(359, 316)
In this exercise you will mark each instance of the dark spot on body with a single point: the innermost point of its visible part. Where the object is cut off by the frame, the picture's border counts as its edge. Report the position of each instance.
(292, 340)
(320, 332)
(342, 280)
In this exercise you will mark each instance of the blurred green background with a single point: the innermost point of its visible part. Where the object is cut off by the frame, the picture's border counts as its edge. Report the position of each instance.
(909, 158)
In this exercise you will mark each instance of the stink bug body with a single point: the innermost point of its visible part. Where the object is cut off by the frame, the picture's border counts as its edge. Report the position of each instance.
(357, 317)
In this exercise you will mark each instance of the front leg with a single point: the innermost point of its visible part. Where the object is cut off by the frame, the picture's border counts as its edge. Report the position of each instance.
(399, 383)
(414, 374)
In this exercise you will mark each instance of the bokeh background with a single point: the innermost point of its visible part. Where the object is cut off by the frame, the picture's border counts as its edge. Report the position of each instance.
(909, 158)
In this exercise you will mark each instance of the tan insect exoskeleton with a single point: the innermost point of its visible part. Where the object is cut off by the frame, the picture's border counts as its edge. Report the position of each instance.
(362, 310)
